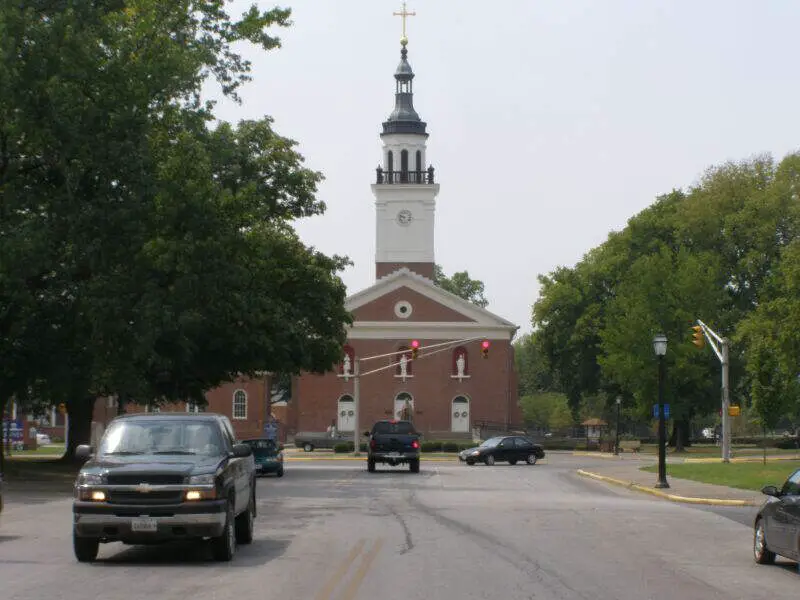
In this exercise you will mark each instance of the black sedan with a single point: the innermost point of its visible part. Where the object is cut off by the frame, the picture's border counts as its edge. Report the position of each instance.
(510, 449)
(777, 524)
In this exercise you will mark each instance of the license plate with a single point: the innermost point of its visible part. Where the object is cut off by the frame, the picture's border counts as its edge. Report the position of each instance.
(144, 524)
(394, 454)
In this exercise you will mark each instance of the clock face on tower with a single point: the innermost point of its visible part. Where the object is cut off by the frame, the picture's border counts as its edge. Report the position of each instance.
(404, 217)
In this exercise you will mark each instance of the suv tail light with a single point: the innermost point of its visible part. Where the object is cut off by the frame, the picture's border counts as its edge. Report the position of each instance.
(372, 444)
(415, 444)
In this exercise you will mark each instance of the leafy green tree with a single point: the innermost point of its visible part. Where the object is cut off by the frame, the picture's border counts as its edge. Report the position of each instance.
(462, 285)
(547, 410)
(142, 251)
(531, 367)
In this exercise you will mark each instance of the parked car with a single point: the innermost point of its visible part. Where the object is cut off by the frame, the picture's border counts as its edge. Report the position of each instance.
(510, 449)
(311, 440)
(394, 443)
(165, 476)
(777, 524)
(268, 455)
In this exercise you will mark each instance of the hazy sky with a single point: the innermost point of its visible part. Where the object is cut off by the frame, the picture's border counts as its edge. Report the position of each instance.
(551, 122)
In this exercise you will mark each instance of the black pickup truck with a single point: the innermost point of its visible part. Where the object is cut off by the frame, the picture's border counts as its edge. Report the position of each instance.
(161, 477)
(394, 443)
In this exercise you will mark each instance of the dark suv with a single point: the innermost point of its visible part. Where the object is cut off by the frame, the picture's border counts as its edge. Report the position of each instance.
(162, 477)
(394, 443)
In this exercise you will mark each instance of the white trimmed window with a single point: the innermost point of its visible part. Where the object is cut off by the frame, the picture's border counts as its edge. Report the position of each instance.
(240, 405)
(191, 407)
(152, 409)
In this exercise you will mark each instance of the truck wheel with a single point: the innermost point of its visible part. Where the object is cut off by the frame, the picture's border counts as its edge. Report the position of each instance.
(413, 465)
(308, 447)
(371, 465)
(86, 549)
(245, 521)
(280, 472)
(224, 546)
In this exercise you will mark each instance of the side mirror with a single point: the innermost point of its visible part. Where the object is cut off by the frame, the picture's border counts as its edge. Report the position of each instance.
(242, 451)
(366, 433)
(280, 447)
(83, 452)
(770, 490)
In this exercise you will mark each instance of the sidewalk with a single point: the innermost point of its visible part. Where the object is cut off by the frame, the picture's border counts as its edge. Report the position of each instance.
(624, 471)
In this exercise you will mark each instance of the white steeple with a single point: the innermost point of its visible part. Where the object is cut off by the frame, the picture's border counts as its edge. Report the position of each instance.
(405, 192)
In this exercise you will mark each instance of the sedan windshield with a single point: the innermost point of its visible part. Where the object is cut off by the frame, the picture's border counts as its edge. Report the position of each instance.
(161, 437)
(262, 447)
(491, 442)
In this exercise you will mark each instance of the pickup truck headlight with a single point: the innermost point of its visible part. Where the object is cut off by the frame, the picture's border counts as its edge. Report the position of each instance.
(476, 453)
(90, 479)
(207, 479)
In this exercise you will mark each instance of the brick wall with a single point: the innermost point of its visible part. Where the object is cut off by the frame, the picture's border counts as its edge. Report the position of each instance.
(491, 388)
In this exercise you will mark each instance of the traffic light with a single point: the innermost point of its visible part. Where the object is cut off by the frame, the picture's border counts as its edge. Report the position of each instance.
(698, 339)
(485, 349)
(414, 349)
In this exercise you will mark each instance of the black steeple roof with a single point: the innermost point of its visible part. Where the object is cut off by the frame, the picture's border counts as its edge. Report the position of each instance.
(404, 119)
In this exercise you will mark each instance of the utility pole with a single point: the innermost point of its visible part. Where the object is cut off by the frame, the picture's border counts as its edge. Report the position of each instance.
(356, 403)
(722, 349)
(726, 401)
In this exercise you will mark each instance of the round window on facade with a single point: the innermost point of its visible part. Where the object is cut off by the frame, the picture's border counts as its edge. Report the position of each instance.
(403, 309)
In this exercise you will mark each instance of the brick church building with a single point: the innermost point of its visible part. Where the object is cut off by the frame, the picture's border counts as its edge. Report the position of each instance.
(449, 389)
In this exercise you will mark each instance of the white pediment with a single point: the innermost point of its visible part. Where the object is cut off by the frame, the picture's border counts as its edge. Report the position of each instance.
(481, 321)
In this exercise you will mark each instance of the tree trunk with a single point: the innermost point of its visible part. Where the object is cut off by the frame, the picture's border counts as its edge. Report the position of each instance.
(680, 438)
(80, 425)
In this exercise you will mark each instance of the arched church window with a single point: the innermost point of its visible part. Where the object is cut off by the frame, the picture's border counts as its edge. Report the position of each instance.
(404, 166)
(418, 167)
(390, 165)
(460, 364)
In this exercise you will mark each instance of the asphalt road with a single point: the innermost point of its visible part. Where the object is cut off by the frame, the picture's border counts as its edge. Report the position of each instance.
(332, 531)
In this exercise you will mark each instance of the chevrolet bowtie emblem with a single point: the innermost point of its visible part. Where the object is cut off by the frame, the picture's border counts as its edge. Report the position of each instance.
(144, 488)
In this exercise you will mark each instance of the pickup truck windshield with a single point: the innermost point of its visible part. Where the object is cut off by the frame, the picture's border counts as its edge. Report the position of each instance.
(161, 437)
(402, 428)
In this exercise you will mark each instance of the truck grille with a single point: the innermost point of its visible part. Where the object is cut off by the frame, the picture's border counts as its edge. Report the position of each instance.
(149, 499)
(151, 478)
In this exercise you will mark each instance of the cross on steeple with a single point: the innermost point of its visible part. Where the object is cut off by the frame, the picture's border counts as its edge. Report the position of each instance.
(404, 13)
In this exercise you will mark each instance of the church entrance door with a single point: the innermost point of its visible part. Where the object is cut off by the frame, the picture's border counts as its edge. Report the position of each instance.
(460, 421)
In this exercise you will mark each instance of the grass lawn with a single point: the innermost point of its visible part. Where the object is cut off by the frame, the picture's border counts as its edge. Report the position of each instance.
(710, 450)
(39, 470)
(54, 450)
(746, 476)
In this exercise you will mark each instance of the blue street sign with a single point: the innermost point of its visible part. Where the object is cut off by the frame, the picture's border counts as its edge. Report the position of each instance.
(666, 411)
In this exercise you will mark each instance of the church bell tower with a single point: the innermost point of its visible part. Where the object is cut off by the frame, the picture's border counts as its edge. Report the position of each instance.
(405, 189)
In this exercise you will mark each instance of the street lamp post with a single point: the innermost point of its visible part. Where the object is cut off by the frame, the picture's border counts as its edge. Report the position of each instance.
(660, 348)
(616, 444)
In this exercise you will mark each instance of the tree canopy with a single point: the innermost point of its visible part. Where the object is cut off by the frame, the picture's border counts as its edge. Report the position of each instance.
(145, 249)
(724, 251)
(462, 285)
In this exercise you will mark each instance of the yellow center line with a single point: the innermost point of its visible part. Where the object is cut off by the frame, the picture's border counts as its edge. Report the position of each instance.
(355, 582)
(333, 580)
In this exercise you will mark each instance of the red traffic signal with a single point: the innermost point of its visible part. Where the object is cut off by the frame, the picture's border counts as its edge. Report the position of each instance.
(485, 348)
(414, 349)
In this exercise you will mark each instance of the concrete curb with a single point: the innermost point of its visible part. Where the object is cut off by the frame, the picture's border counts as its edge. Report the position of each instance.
(594, 454)
(672, 497)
